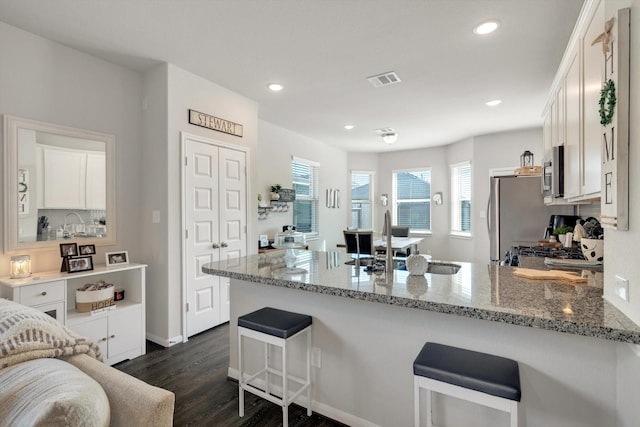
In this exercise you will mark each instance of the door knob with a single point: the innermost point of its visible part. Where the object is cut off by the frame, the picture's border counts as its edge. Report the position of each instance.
(224, 244)
(216, 246)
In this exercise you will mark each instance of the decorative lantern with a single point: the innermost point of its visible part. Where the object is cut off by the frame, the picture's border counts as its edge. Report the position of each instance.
(20, 266)
(526, 159)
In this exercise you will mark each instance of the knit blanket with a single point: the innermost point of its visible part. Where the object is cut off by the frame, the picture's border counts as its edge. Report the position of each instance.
(27, 333)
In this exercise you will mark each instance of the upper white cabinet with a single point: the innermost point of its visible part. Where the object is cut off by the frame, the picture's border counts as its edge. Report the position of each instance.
(572, 127)
(593, 76)
(571, 115)
(72, 179)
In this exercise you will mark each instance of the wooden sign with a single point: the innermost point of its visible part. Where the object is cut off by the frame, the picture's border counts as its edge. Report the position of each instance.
(214, 123)
(614, 199)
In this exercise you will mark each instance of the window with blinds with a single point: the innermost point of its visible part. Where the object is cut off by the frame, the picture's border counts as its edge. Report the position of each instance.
(304, 176)
(361, 200)
(412, 199)
(461, 199)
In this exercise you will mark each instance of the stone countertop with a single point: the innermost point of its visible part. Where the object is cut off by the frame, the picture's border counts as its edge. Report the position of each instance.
(479, 291)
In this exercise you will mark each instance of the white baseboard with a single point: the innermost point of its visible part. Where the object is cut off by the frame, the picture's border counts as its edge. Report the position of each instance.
(320, 408)
(163, 341)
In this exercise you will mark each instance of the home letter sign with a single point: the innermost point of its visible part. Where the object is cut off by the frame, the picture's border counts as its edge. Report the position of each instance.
(614, 112)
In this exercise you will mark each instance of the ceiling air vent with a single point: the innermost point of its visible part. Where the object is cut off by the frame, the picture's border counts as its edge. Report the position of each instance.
(384, 79)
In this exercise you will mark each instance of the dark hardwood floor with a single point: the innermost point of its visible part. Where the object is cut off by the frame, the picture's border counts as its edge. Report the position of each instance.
(196, 372)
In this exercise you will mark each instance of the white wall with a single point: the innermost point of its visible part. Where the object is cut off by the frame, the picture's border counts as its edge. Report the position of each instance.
(43, 80)
(170, 92)
(276, 148)
(460, 248)
(619, 256)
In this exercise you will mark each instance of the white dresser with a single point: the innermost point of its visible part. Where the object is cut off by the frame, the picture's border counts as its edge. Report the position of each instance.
(119, 332)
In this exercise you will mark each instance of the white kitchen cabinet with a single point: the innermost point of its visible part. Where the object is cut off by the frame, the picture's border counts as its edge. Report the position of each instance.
(572, 129)
(120, 331)
(72, 179)
(593, 72)
(96, 182)
(572, 107)
(63, 178)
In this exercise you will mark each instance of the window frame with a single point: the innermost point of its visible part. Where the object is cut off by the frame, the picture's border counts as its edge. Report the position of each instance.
(370, 200)
(455, 210)
(314, 197)
(395, 200)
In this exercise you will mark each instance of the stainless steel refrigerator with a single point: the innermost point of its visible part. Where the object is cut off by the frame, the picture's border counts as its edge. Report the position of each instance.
(516, 213)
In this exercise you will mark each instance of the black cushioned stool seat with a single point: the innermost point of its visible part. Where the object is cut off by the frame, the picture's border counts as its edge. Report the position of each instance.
(478, 377)
(274, 329)
(272, 321)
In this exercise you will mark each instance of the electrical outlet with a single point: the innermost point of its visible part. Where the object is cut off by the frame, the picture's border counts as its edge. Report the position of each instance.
(316, 357)
(622, 288)
(155, 217)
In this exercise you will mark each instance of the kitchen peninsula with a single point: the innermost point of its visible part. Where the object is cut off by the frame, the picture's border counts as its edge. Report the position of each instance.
(368, 331)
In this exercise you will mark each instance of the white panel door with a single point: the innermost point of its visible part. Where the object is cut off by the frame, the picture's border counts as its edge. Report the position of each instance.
(233, 216)
(215, 217)
(201, 211)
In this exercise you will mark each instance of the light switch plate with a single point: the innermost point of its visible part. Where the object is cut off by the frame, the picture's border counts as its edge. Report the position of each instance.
(622, 288)
(155, 217)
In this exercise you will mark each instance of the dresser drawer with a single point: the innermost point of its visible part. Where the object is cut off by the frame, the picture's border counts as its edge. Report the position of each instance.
(42, 293)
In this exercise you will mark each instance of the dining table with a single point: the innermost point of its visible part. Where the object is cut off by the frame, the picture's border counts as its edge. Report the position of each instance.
(398, 244)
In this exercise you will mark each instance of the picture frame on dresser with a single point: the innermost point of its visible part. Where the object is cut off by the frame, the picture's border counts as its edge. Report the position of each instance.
(87, 249)
(68, 249)
(116, 258)
(78, 264)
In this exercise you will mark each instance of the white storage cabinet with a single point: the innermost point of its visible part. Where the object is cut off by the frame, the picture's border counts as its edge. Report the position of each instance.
(120, 331)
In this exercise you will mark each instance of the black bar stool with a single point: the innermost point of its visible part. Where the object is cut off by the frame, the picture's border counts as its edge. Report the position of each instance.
(277, 328)
(481, 378)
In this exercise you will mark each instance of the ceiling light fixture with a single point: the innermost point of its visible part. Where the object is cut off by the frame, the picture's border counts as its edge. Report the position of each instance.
(275, 87)
(390, 137)
(349, 127)
(493, 103)
(486, 27)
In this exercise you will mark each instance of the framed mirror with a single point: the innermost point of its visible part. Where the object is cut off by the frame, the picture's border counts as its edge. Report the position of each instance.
(59, 185)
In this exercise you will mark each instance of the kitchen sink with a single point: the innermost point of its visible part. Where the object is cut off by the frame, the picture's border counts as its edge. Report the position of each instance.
(443, 268)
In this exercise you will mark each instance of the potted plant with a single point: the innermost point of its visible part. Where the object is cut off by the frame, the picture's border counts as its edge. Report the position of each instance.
(561, 232)
(275, 190)
(261, 202)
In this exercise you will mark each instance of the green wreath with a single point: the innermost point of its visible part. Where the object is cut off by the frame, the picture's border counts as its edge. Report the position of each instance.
(607, 102)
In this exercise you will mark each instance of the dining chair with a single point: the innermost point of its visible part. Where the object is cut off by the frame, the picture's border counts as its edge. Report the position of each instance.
(361, 244)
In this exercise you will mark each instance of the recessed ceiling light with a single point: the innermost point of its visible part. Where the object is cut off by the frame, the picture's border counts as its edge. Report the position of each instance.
(486, 27)
(349, 127)
(493, 103)
(390, 137)
(275, 87)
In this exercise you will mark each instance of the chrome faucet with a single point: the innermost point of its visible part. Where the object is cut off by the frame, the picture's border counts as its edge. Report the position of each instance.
(387, 226)
(73, 213)
(69, 233)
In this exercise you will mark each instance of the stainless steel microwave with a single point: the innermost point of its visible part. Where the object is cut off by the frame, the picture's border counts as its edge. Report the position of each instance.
(553, 173)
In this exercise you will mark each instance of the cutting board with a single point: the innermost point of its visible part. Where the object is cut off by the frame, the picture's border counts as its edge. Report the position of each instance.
(550, 244)
(530, 273)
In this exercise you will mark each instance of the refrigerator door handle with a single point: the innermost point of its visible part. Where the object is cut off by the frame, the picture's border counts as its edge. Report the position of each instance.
(489, 216)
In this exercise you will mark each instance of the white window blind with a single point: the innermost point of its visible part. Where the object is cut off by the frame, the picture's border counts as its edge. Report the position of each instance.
(304, 174)
(412, 199)
(461, 199)
(361, 200)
